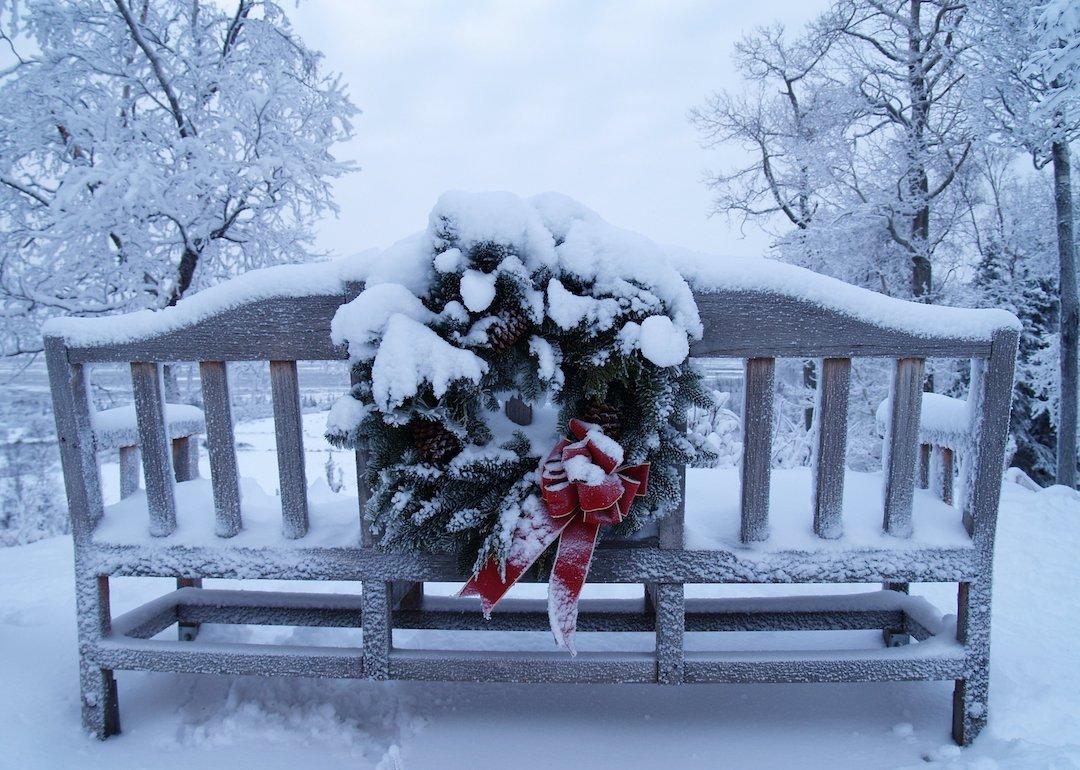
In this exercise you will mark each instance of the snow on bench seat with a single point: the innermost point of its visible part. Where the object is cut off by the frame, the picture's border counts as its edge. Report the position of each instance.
(118, 427)
(333, 517)
(712, 516)
(713, 519)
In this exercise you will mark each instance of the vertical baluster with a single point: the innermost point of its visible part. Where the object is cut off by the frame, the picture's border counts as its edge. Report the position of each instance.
(942, 475)
(185, 457)
(901, 445)
(130, 464)
(154, 444)
(221, 447)
(830, 446)
(288, 429)
(924, 466)
(757, 448)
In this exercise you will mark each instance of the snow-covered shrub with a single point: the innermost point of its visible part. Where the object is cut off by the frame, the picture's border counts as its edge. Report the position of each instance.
(32, 504)
(718, 427)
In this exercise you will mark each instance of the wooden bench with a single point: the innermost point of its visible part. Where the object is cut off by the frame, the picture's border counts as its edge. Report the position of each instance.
(118, 429)
(944, 436)
(759, 325)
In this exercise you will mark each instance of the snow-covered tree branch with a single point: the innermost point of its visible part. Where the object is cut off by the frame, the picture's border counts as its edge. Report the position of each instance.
(149, 147)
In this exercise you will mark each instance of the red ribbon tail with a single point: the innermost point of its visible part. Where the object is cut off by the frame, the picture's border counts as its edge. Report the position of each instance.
(568, 576)
(532, 535)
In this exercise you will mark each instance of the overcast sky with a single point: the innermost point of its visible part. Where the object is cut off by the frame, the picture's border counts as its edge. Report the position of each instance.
(587, 97)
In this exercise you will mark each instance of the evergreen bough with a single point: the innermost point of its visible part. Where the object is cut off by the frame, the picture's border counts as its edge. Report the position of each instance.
(467, 506)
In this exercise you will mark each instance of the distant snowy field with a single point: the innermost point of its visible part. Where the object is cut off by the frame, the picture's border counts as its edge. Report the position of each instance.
(210, 721)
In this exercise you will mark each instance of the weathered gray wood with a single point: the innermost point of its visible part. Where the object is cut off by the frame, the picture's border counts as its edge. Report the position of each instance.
(669, 603)
(281, 329)
(130, 470)
(237, 659)
(830, 446)
(616, 565)
(363, 491)
(518, 411)
(902, 664)
(100, 706)
(289, 437)
(757, 325)
(75, 435)
(901, 445)
(757, 449)
(154, 442)
(991, 393)
(78, 456)
(942, 473)
(277, 608)
(221, 446)
(187, 630)
(924, 465)
(524, 667)
(746, 324)
(378, 638)
(185, 456)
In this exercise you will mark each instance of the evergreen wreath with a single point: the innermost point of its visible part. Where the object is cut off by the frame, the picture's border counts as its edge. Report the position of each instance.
(511, 297)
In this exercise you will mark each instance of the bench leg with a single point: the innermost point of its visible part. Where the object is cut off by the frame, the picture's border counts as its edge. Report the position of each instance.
(970, 695)
(188, 631)
(100, 708)
(896, 637)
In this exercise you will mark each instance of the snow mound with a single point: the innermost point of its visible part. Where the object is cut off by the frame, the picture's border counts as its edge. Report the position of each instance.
(410, 354)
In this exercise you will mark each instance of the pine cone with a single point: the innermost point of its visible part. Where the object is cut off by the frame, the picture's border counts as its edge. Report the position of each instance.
(433, 441)
(510, 325)
(603, 414)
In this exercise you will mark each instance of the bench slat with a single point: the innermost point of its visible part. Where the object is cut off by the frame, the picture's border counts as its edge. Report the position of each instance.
(830, 447)
(901, 445)
(289, 434)
(757, 448)
(154, 445)
(221, 445)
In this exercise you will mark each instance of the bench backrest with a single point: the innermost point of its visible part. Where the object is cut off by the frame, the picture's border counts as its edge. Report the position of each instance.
(759, 325)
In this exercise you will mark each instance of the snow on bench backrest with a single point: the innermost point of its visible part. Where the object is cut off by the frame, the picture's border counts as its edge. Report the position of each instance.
(755, 309)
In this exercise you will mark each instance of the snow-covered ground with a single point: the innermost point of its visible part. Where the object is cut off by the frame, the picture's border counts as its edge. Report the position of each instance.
(208, 721)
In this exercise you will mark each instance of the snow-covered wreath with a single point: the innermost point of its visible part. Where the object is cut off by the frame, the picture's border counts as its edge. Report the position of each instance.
(540, 300)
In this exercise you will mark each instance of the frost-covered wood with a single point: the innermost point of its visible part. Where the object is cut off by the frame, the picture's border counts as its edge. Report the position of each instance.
(289, 438)
(830, 446)
(130, 470)
(758, 325)
(757, 448)
(154, 442)
(221, 446)
(901, 445)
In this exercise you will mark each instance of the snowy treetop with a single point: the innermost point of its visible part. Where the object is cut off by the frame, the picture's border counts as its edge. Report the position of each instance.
(548, 229)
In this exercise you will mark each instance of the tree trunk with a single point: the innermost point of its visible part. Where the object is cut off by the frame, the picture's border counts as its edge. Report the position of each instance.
(185, 274)
(918, 178)
(1063, 203)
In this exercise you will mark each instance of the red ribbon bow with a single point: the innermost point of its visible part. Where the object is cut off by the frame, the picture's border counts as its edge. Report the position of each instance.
(583, 485)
